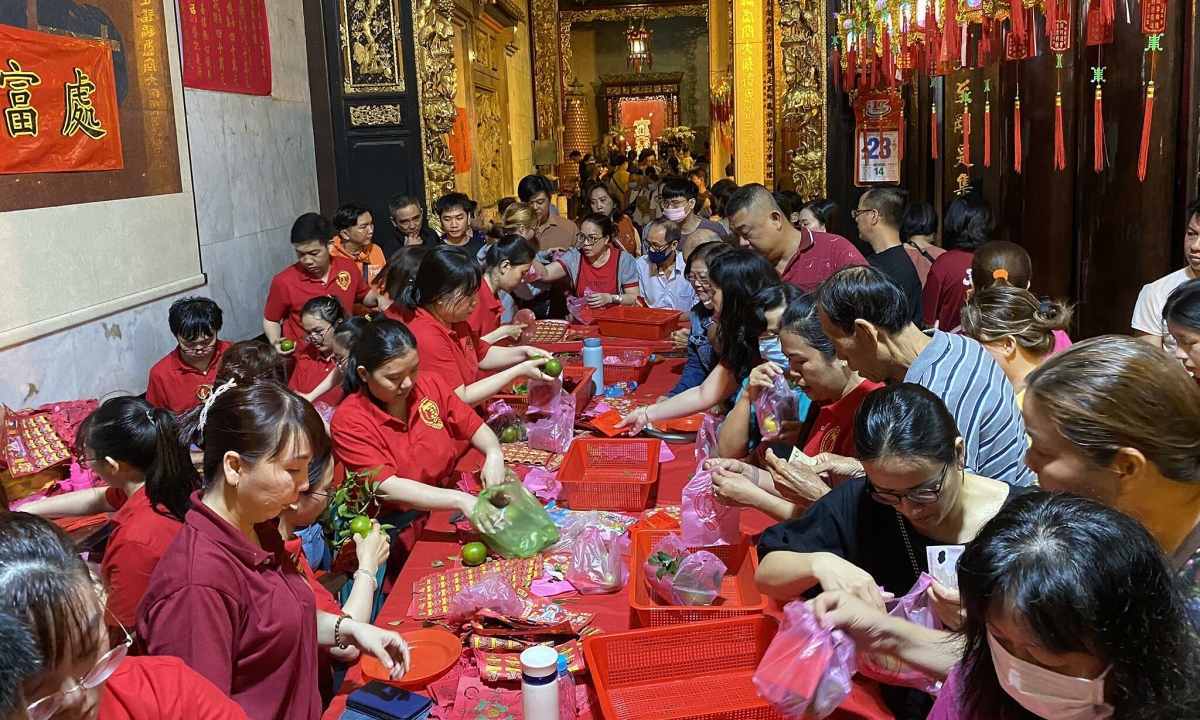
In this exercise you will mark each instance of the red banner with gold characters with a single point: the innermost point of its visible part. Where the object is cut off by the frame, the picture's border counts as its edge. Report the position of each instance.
(225, 46)
(60, 104)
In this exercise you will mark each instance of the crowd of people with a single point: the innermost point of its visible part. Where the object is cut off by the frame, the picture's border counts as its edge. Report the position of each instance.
(941, 403)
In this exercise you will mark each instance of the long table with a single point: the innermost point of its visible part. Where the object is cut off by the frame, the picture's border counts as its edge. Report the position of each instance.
(438, 541)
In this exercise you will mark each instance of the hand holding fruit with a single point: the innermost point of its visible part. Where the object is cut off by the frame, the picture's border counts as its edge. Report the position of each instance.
(285, 346)
(371, 547)
(532, 369)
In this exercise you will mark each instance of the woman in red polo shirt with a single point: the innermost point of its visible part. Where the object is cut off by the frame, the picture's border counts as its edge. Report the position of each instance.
(504, 265)
(442, 297)
(317, 376)
(401, 268)
(408, 423)
(226, 597)
(46, 586)
(599, 270)
(148, 480)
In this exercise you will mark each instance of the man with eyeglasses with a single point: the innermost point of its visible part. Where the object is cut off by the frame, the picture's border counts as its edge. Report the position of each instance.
(661, 270)
(678, 199)
(181, 380)
(878, 215)
(802, 257)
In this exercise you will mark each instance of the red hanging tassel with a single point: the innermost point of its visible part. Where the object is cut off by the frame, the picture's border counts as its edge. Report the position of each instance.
(868, 57)
(1098, 134)
(987, 133)
(966, 143)
(850, 71)
(1017, 135)
(889, 61)
(837, 69)
(952, 30)
(1018, 24)
(933, 131)
(1144, 153)
(903, 132)
(1060, 148)
(985, 44)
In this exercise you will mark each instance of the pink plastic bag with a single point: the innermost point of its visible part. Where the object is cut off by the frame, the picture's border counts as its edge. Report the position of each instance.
(501, 416)
(554, 433)
(542, 394)
(703, 520)
(596, 564)
(775, 406)
(491, 593)
(525, 317)
(706, 440)
(580, 310)
(915, 608)
(542, 483)
(806, 670)
(681, 577)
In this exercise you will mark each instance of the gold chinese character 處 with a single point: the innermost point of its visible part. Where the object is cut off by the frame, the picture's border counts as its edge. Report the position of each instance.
(20, 117)
(80, 114)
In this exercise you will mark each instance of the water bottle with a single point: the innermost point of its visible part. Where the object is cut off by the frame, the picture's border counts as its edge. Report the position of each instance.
(593, 357)
(539, 684)
(566, 690)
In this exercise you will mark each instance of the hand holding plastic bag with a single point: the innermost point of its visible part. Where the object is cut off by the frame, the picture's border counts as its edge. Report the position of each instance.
(703, 520)
(806, 671)
(512, 522)
(596, 564)
(775, 406)
(916, 608)
(490, 593)
(706, 440)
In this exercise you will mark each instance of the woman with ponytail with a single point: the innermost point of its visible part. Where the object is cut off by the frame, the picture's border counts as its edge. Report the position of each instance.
(1016, 328)
(316, 376)
(505, 262)
(148, 477)
(1000, 262)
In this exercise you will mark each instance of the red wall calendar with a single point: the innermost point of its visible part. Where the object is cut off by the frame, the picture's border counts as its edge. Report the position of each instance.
(226, 46)
(879, 130)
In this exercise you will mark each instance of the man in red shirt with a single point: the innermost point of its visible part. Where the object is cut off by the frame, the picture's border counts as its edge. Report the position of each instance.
(183, 378)
(315, 273)
(803, 258)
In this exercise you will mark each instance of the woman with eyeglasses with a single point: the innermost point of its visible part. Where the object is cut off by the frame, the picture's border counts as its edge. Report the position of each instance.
(599, 271)
(227, 598)
(701, 358)
(602, 200)
(316, 376)
(148, 480)
(47, 587)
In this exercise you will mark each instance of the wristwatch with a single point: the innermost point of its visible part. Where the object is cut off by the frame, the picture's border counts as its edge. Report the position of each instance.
(615, 299)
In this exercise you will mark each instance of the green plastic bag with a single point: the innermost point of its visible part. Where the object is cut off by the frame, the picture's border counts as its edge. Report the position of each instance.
(512, 521)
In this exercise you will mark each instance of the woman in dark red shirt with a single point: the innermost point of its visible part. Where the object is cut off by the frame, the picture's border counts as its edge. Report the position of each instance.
(442, 297)
(148, 479)
(226, 597)
(504, 265)
(599, 271)
(968, 224)
(316, 376)
(46, 587)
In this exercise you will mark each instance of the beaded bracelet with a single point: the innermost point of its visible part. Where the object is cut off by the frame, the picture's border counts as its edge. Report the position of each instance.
(369, 575)
(337, 632)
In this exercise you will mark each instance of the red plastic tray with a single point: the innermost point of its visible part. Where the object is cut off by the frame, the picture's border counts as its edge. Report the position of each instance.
(638, 323)
(699, 671)
(602, 474)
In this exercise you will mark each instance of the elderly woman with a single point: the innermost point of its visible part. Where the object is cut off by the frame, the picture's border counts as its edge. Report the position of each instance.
(227, 598)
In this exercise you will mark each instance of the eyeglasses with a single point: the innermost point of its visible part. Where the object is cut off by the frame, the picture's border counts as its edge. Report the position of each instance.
(656, 248)
(676, 204)
(920, 496)
(588, 239)
(87, 462)
(45, 708)
(199, 346)
(855, 213)
(698, 279)
(315, 336)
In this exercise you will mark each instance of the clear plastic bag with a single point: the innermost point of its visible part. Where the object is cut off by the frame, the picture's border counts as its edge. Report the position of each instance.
(775, 406)
(490, 593)
(887, 669)
(580, 310)
(681, 577)
(500, 417)
(596, 564)
(706, 440)
(512, 522)
(807, 669)
(554, 433)
(703, 520)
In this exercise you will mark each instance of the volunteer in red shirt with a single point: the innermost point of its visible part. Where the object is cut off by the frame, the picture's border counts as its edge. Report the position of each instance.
(968, 223)
(183, 378)
(227, 598)
(402, 267)
(504, 265)
(315, 273)
(802, 257)
(355, 230)
(45, 587)
(317, 376)
(410, 424)
(599, 271)
(442, 297)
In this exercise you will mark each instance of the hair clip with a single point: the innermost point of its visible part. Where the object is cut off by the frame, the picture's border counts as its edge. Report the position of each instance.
(150, 415)
(208, 402)
(1045, 306)
(1000, 274)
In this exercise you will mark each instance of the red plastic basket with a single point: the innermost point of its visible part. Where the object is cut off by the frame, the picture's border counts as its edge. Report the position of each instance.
(700, 671)
(635, 365)
(739, 595)
(638, 323)
(602, 474)
(583, 391)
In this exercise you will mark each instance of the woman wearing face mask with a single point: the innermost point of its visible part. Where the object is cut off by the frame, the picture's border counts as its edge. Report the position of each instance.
(701, 358)
(148, 479)
(317, 377)
(226, 597)
(734, 277)
(504, 265)
(442, 297)
(47, 588)
(1118, 421)
(599, 271)
(601, 200)
(784, 490)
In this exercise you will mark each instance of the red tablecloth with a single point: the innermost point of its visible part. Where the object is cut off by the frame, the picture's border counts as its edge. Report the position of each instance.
(613, 613)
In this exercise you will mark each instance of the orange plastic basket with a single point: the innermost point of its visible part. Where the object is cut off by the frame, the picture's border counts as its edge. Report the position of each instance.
(638, 323)
(739, 595)
(700, 671)
(583, 391)
(602, 474)
(635, 364)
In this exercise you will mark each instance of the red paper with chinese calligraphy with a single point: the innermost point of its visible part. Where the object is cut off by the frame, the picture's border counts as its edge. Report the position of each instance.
(226, 46)
(59, 103)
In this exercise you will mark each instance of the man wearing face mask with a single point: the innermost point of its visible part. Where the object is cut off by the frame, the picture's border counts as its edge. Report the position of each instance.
(679, 197)
(660, 270)
(180, 380)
